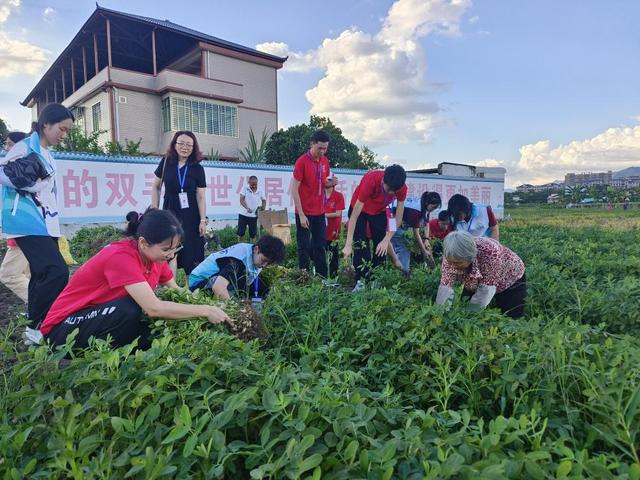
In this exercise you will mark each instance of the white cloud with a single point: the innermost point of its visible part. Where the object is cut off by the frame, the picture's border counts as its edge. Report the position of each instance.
(6, 8)
(490, 162)
(19, 57)
(541, 162)
(374, 86)
(474, 19)
(49, 14)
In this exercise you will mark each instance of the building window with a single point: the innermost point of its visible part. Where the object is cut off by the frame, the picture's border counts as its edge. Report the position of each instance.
(199, 117)
(78, 113)
(166, 115)
(96, 116)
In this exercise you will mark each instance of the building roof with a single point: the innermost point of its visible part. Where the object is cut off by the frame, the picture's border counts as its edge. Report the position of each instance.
(151, 22)
(203, 37)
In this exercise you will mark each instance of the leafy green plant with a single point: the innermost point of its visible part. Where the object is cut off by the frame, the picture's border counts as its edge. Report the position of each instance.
(255, 151)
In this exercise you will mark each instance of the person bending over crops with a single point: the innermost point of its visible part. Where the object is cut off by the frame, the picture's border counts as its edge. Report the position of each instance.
(417, 211)
(108, 295)
(488, 271)
(230, 271)
(475, 218)
(370, 207)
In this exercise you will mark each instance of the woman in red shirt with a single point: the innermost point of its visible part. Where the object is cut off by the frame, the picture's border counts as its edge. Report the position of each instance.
(487, 270)
(108, 295)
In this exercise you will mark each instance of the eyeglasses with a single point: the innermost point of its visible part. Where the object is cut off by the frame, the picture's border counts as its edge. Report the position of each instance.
(174, 251)
(185, 145)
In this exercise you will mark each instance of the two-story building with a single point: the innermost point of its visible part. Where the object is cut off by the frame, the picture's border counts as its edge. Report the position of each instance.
(137, 78)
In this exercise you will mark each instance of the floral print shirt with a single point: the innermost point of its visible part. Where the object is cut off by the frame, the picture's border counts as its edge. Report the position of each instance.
(495, 266)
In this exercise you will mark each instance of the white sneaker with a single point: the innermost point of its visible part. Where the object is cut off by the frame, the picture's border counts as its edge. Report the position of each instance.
(32, 336)
(359, 286)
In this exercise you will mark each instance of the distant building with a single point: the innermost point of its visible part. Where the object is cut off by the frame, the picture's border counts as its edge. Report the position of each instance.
(134, 77)
(553, 198)
(588, 178)
(528, 188)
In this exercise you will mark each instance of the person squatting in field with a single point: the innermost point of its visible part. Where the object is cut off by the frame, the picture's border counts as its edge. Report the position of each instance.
(107, 296)
(28, 173)
(487, 270)
(475, 218)
(370, 207)
(236, 269)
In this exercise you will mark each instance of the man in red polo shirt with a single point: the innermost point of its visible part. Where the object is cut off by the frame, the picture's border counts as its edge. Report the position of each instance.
(333, 211)
(307, 188)
(370, 207)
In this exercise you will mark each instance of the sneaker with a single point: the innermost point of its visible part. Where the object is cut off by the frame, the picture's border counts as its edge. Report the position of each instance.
(329, 283)
(32, 336)
(359, 286)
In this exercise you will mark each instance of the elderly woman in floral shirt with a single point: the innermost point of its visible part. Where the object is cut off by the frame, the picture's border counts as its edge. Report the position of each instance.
(487, 270)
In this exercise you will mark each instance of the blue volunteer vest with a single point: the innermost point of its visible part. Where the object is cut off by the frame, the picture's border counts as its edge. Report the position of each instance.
(20, 214)
(209, 266)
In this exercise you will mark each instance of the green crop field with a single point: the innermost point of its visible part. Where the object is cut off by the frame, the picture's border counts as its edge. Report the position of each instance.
(375, 385)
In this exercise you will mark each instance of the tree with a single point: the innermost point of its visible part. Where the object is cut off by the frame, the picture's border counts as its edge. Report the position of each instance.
(285, 146)
(79, 141)
(3, 131)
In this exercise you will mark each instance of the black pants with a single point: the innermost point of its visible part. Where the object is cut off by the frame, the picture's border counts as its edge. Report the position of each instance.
(49, 274)
(121, 319)
(311, 243)
(362, 260)
(334, 258)
(244, 222)
(511, 301)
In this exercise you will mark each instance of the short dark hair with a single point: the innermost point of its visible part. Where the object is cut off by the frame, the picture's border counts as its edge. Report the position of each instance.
(154, 225)
(15, 137)
(429, 198)
(252, 177)
(172, 155)
(394, 177)
(459, 204)
(320, 136)
(272, 248)
(52, 114)
(443, 216)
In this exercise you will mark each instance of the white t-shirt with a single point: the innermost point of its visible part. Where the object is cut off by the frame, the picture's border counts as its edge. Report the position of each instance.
(253, 201)
(46, 189)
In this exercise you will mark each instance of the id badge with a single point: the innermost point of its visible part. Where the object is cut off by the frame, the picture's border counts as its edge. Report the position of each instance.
(184, 200)
(391, 221)
(256, 302)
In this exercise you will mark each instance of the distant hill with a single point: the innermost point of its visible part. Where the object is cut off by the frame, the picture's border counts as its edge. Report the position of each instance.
(627, 172)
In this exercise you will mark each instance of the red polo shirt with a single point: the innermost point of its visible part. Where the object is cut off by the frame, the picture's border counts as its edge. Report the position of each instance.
(334, 225)
(436, 231)
(312, 175)
(371, 192)
(103, 278)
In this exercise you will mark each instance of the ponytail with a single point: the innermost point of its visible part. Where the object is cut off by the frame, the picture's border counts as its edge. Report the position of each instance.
(154, 225)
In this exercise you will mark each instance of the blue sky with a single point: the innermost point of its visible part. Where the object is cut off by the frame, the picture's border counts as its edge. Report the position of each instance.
(541, 87)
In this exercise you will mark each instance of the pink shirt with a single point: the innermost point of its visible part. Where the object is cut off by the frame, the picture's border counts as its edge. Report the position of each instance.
(495, 266)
